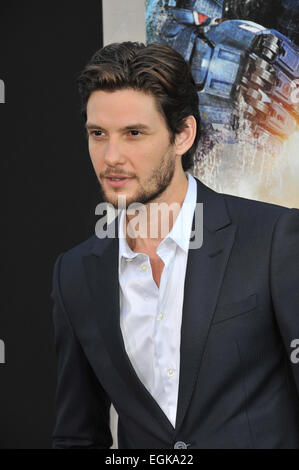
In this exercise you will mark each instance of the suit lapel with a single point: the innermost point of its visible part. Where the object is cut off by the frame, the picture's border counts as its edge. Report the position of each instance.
(101, 268)
(204, 275)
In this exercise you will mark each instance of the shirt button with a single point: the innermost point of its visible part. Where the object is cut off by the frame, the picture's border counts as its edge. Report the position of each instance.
(160, 317)
(170, 372)
(129, 259)
(144, 267)
(180, 445)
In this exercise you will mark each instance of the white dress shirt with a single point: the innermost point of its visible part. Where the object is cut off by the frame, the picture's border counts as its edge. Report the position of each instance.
(151, 317)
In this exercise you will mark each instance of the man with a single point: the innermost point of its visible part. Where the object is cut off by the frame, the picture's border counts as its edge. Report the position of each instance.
(194, 346)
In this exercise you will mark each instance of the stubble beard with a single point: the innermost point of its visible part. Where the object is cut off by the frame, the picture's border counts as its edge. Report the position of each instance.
(153, 187)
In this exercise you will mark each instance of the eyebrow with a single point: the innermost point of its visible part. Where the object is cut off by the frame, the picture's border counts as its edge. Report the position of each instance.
(136, 127)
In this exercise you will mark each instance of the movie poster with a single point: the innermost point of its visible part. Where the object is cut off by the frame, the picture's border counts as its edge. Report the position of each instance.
(244, 58)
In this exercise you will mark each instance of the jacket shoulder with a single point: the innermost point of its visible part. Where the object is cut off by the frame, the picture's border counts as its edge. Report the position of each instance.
(81, 249)
(68, 269)
(260, 220)
(244, 211)
(253, 208)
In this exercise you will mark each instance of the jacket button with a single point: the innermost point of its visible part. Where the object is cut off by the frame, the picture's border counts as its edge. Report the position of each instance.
(180, 445)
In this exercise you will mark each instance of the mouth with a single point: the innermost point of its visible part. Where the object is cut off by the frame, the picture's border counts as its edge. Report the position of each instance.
(117, 182)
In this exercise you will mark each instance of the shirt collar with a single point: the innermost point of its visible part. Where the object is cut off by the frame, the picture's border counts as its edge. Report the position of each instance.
(181, 230)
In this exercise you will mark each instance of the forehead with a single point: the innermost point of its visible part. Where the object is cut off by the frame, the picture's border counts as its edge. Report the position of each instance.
(122, 107)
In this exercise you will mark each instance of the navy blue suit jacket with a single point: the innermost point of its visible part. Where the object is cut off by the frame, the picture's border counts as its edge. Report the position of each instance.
(238, 386)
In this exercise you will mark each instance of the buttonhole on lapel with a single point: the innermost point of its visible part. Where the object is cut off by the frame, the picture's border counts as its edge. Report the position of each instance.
(212, 255)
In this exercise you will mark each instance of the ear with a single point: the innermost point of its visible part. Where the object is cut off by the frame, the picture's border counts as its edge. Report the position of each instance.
(184, 140)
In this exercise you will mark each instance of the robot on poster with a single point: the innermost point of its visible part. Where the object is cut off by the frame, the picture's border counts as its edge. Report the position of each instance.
(244, 57)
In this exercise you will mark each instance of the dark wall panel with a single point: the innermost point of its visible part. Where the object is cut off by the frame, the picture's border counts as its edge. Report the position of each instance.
(49, 192)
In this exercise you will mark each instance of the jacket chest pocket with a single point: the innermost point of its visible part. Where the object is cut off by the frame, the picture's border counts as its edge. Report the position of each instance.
(227, 311)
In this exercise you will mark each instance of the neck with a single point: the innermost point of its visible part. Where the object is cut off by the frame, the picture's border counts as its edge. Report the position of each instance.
(146, 230)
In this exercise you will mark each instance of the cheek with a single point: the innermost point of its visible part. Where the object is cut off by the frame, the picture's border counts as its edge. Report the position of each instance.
(91, 147)
(95, 153)
(143, 161)
(152, 155)
(150, 151)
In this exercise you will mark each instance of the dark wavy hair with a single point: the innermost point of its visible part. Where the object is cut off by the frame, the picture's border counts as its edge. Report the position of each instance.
(154, 68)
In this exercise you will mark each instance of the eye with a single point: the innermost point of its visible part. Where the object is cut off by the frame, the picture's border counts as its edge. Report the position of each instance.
(96, 133)
(134, 133)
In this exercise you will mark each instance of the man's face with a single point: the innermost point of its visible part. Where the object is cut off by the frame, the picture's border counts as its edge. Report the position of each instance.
(128, 137)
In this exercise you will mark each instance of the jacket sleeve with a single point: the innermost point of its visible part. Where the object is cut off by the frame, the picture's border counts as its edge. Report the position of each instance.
(82, 406)
(284, 275)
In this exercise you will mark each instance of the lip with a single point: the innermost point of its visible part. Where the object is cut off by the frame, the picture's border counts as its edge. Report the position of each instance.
(117, 184)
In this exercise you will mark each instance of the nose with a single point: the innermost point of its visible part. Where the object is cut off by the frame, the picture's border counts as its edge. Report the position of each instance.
(113, 152)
